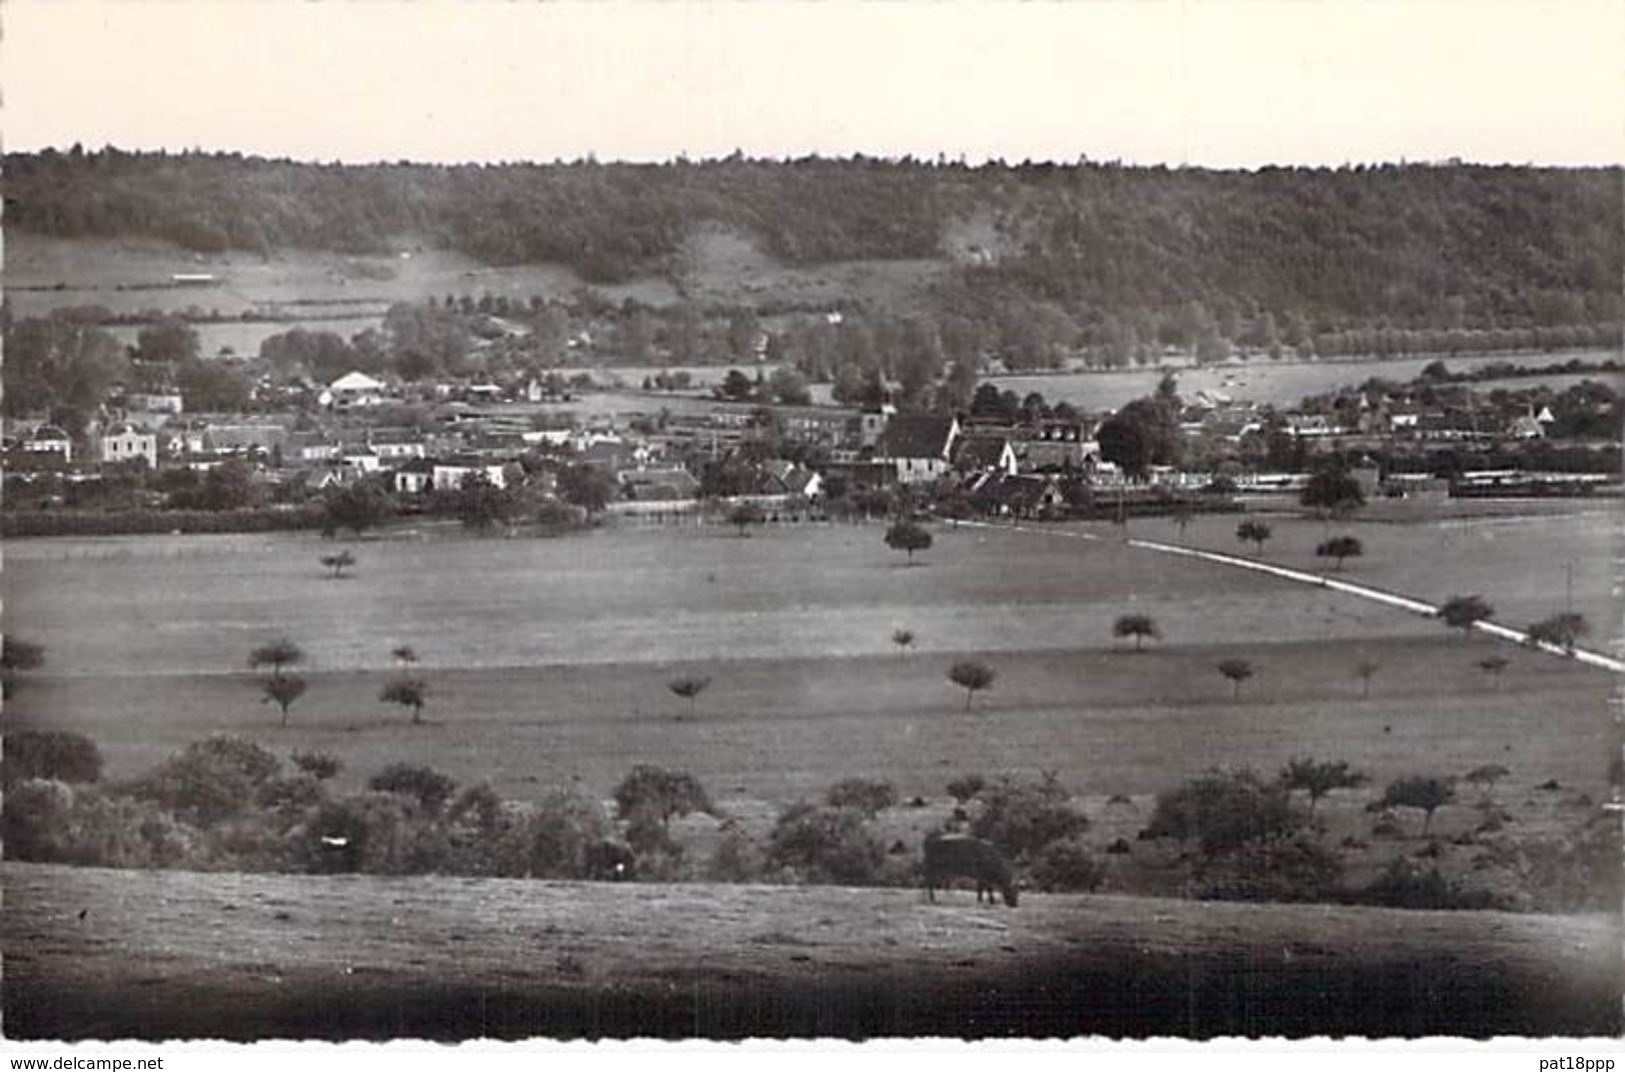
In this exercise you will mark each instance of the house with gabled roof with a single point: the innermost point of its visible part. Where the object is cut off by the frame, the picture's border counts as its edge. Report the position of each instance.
(919, 447)
(980, 453)
(123, 443)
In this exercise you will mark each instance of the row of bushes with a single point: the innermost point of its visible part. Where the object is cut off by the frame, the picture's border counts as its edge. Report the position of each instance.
(15, 523)
(228, 804)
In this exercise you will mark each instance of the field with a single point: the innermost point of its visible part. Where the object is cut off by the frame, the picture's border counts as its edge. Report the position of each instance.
(534, 648)
(548, 662)
(1276, 383)
(105, 954)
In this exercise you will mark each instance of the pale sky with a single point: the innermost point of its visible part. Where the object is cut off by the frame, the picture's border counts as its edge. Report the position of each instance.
(1229, 83)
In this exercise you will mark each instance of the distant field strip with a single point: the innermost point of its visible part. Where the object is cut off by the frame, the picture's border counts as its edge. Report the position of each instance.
(1392, 599)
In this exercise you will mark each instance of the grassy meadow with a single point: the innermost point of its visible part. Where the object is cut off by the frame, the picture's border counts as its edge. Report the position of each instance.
(548, 659)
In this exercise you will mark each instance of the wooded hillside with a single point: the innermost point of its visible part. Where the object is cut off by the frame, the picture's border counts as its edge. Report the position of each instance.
(1443, 246)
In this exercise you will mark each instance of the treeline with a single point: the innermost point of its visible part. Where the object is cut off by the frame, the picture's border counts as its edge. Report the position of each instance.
(1180, 256)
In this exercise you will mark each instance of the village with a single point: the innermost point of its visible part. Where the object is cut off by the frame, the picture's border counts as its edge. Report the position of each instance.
(666, 454)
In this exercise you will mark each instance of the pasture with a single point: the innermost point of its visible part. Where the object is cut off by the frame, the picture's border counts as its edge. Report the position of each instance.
(1276, 383)
(548, 659)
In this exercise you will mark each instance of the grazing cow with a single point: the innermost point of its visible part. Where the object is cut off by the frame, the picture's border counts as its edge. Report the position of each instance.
(960, 855)
(609, 861)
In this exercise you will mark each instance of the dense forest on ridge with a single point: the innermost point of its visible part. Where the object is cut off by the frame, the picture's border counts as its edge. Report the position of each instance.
(1420, 245)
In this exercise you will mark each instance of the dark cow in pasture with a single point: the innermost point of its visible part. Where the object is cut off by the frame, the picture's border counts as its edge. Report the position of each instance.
(609, 861)
(953, 856)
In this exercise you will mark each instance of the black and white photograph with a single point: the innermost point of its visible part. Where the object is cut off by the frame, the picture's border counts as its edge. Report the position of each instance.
(979, 521)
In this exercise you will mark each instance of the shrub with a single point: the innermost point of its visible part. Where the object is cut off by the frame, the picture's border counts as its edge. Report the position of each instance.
(659, 856)
(1021, 819)
(966, 786)
(824, 844)
(57, 754)
(548, 839)
(1067, 867)
(377, 833)
(660, 793)
(1297, 870)
(1404, 885)
(318, 765)
(866, 795)
(291, 796)
(48, 821)
(37, 817)
(427, 786)
(1224, 810)
(738, 857)
(210, 780)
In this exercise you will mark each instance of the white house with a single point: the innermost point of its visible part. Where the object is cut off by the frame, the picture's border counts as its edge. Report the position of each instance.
(449, 476)
(153, 402)
(124, 444)
(49, 439)
(356, 389)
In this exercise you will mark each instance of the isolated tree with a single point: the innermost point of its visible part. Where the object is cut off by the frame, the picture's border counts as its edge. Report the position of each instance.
(1428, 794)
(1365, 670)
(972, 676)
(1138, 626)
(1560, 630)
(1254, 532)
(408, 692)
(277, 654)
(902, 638)
(17, 656)
(1485, 777)
(1494, 665)
(1340, 547)
(908, 536)
(405, 654)
(1318, 778)
(689, 688)
(1332, 490)
(338, 563)
(282, 690)
(1236, 671)
(1463, 612)
(651, 792)
(744, 515)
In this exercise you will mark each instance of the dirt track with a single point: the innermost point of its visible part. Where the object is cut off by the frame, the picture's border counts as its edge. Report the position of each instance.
(175, 955)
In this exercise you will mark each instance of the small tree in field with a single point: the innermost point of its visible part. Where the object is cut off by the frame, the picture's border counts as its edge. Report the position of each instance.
(902, 638)
(282, 690)
(1428, 794)
(1463, 612)
(744, 515)
(1494, 665)
(971, 676)
(1366, 669)
(1236, 671)
(1254, 532)
(1560, 630)
(908, 536)
(1138, 626)
(408, 692)
(405, 654)
(277, 654)
(1318, 779)
(1340, 547)
(338, 563)
(689, 688)
(1485, 777)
